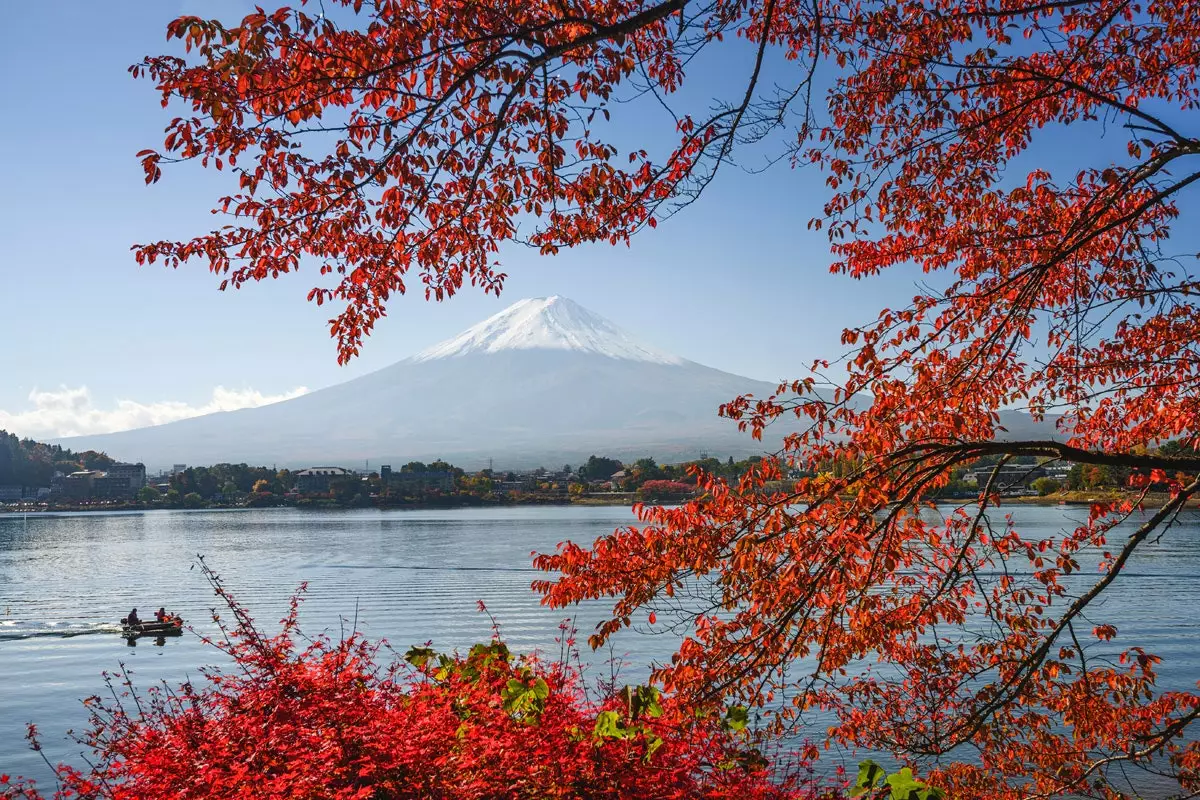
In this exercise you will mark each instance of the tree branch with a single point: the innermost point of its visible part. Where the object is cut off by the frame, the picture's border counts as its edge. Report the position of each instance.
(960, 451)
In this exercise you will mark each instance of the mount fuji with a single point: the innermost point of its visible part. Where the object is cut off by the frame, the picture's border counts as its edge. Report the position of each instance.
(543, 382)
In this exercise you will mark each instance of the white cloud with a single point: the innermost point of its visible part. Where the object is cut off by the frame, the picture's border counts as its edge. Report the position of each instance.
(69, 412)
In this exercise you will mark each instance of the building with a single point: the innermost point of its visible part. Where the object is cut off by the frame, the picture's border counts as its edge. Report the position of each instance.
(26, 494)
(1010, 477)
(121, 481)
(440, 480)
(131, 476)
(106, 487)
(80, 485)
(316, 480)
(1059, 470)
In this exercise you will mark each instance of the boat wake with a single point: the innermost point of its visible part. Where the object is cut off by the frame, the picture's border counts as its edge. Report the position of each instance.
(15, 630)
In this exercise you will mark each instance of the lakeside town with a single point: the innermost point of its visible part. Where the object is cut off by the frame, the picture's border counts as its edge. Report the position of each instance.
(40, 477)
(101, 483)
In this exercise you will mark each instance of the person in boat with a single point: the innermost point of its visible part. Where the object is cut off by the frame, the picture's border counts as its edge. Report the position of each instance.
(160, 616)
(132, 620)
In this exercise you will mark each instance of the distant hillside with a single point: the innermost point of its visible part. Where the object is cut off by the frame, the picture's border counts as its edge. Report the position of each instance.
(24, 462)
(522, 409)
(544, 382)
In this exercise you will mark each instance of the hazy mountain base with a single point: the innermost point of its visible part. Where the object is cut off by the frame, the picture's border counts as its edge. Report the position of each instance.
(542, 383)
(523, 408)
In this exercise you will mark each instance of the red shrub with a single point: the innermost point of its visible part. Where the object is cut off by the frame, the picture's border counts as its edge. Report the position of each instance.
(332, 720)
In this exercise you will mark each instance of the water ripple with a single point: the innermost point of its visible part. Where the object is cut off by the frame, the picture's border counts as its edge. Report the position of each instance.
(407, 577)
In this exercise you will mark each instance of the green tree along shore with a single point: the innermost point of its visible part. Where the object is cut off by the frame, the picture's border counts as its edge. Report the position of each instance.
(599, 480)
(438, 484)
(24, 462)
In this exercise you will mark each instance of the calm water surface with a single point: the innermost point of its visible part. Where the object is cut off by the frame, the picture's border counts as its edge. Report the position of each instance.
(412, 576)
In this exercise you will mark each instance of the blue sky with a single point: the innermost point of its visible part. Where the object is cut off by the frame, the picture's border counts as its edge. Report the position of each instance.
(736, 281)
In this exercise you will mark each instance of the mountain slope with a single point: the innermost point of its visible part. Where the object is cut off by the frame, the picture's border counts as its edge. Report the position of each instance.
(543, 382)
(519, 408)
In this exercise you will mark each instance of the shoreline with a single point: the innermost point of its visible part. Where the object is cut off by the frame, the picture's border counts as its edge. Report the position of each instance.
(1076, 499)
(324, 505)
(623, 499)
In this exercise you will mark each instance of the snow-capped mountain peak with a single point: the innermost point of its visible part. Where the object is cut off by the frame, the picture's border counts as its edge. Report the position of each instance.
(547, 323)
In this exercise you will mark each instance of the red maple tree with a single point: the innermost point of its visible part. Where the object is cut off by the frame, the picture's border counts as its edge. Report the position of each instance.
(399, 140)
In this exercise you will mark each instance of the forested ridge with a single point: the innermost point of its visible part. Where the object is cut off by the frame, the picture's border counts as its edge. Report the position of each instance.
(25, 462)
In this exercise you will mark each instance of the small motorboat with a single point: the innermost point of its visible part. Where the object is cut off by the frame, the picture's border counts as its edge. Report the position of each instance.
(172, 626)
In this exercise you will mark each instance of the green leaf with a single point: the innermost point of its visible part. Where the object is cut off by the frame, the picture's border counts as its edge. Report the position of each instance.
(487, 653)
(905, 786)
(737, 718)
(870, 775)
(419, 656)
(644, 701)
(522, 700)
(511, 693)
(903, 783)
(652, 744)
(608, 726)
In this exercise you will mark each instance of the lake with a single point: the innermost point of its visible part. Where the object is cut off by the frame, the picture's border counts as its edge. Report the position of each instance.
(407, 576)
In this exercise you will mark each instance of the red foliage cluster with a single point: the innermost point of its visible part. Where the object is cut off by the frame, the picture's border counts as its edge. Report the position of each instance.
(331, 719)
